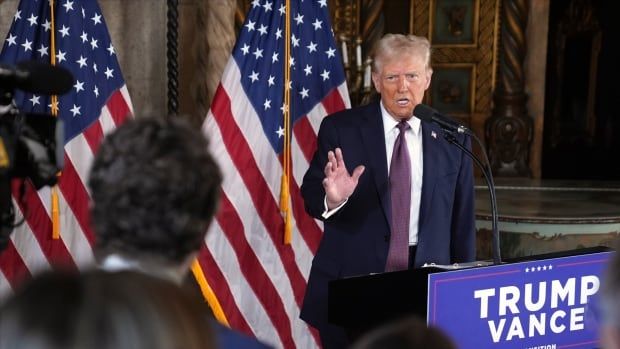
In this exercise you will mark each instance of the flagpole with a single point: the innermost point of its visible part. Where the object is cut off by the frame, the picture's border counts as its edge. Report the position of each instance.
(54, 110)
(286, 161)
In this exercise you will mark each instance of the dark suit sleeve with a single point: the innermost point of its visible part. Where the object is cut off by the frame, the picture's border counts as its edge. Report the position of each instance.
(463, 241)
(312, 186)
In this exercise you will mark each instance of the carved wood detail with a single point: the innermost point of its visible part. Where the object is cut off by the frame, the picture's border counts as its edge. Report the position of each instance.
(509, 130)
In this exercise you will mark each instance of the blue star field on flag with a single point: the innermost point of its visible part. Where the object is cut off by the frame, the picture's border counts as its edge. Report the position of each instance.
(316, 65)
(82, 45)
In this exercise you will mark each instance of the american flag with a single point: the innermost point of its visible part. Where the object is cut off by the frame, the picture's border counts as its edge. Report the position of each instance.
(96, 104)
(257, 279)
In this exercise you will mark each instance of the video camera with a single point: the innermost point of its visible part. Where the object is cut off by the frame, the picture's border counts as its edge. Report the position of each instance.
(31, 145)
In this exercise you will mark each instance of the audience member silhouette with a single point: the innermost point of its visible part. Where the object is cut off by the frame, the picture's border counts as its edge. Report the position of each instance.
(101, 310)
(155, 189)
(408, 333)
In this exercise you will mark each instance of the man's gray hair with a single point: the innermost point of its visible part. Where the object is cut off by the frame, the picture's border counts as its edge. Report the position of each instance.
(394, 45)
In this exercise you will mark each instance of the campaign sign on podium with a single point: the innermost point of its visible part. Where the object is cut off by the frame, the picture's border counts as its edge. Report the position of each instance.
(550, 303)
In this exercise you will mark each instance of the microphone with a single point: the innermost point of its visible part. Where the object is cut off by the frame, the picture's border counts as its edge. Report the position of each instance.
(36, 77)
(426, 113)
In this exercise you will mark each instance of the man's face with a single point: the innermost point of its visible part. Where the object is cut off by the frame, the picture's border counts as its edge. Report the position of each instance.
(401, 83)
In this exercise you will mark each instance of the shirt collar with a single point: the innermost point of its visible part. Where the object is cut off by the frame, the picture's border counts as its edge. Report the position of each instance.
(115, 262)
(390, 123)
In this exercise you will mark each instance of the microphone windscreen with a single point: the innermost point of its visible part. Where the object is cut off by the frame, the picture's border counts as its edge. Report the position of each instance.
(41, 78)
(424, 112)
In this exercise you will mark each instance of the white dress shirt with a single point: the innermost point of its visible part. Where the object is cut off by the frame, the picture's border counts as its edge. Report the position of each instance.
(413, 136)
(414, 145)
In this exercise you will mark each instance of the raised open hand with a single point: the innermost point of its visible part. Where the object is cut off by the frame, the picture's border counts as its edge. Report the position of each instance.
(338, 183)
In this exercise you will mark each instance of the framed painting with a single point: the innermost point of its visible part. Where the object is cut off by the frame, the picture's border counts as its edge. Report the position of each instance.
(452, 88)
(454, 22)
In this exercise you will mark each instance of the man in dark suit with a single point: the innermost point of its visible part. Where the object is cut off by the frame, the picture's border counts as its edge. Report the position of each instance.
(351, 187)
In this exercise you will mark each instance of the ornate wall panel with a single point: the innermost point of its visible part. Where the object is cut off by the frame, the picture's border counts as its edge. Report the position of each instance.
(463, 35)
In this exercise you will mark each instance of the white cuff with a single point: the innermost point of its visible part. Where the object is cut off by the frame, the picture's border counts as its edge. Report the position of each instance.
(328, 213)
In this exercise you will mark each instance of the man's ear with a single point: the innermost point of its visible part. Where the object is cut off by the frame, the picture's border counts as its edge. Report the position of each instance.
(376, 80)
(429, 74)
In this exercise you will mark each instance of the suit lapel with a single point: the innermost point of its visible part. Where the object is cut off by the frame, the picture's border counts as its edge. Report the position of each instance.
(430, 142)
(373, 138)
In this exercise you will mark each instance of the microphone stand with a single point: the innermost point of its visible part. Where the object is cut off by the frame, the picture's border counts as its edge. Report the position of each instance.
(488, 176)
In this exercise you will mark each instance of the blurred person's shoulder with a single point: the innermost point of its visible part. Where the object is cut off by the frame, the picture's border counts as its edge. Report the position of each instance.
(231, 339)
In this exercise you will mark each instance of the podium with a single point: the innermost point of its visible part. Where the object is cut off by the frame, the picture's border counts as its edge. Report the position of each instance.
(483, 306)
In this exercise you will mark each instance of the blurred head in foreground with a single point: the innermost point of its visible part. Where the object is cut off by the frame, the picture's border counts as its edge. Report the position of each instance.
(155, 189)
(409, 333)
(100, 310)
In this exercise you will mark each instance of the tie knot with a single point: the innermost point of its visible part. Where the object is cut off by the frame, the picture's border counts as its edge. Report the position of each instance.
(403, 126)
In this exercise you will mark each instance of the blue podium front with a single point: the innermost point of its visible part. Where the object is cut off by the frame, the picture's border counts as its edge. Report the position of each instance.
(547, 303)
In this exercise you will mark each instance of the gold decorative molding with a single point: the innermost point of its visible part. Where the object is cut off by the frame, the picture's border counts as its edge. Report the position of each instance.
(345, 18)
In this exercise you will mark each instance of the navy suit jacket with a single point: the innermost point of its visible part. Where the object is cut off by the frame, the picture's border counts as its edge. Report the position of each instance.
(356, 238)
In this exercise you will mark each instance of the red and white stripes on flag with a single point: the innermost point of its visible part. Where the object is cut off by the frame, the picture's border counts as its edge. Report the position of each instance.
(32, 248)
(97, 103)
(257, 279)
